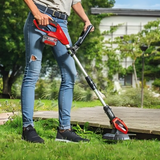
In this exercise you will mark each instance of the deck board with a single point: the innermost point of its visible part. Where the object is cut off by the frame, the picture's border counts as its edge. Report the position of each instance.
(138, 120)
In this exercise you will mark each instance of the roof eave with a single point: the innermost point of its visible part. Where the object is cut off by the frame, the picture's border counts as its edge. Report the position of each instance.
(127, 12)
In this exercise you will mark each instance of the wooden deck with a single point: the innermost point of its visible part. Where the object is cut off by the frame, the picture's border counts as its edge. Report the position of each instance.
(138, 120)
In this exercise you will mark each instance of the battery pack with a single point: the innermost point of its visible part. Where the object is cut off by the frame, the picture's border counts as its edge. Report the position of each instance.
(49, 40)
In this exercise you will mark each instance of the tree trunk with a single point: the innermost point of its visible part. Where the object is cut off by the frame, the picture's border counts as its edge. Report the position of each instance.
(135, 74)
(9, 79)
(6, 88)
(142, 93)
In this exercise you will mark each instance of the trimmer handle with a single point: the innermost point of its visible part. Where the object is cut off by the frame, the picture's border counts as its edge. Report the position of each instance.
(83, 35)
(52, 23)
(59, 34)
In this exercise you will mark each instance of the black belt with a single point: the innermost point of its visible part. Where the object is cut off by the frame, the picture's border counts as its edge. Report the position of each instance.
(53, 12)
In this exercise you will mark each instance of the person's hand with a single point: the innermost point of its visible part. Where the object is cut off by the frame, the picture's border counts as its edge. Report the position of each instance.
(87, 23)
(42, 19)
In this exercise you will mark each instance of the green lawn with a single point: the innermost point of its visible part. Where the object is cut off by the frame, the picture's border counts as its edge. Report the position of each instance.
(13, 148)
(10, 105)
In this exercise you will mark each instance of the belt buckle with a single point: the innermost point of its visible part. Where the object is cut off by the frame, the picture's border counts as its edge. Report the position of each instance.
(53, 13)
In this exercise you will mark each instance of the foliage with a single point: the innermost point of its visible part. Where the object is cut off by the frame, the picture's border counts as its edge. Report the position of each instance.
(156, 83)
(151, 67)
(50, 90)
(131, 97)
(10, 106)
(131, 46)
(16, 88)
(1, 85)
(91, 52)
(112, 63)
(80, 94)
(41, 88)
(13, 15)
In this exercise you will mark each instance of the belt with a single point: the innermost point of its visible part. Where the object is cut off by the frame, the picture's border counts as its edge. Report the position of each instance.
(53, 12)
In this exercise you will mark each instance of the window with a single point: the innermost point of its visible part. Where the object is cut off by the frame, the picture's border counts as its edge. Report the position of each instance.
(125, 80)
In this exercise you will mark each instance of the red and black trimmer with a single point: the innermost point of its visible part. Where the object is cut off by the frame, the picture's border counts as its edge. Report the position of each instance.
(119, 129)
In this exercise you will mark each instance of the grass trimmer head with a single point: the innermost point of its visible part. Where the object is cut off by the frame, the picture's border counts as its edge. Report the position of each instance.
(116, 135)
(119, 128)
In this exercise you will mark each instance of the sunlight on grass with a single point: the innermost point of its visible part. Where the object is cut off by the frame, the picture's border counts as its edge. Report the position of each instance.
(12, 105)
(13, 148)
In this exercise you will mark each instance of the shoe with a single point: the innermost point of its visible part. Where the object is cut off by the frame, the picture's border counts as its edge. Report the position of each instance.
(69, 136)
(29, 134)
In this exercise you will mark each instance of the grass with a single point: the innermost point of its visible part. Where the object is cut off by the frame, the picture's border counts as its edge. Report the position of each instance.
(13, 148)
(10, 105)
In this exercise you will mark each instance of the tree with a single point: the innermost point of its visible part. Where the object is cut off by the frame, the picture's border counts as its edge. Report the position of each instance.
(13, 14)
(142, 44)
(152, 55)
(12, 53)
(130, 45)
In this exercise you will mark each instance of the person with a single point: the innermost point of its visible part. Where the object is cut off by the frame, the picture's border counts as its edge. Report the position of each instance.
(44, 11)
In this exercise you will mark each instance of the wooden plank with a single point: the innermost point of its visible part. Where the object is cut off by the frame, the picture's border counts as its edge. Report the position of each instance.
(156, 132)
(138, 120)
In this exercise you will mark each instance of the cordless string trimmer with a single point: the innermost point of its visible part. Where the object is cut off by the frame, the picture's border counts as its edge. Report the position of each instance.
(120, 130)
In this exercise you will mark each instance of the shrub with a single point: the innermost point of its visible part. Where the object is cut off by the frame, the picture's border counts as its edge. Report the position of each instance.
(80, 94)
(41, 88)
(132, 97)
(16, 88)
(54, 91)
(10, 106)
(50, 90)
(156, 83)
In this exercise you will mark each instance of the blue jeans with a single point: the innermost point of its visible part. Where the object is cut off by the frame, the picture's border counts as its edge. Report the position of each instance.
(34, 49)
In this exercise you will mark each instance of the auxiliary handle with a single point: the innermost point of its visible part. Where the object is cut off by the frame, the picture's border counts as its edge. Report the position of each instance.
(83, 35)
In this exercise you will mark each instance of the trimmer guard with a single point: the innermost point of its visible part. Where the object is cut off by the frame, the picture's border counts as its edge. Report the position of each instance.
(118, 136)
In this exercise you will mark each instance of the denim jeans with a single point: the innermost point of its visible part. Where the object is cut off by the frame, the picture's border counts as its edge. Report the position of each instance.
(34, 49)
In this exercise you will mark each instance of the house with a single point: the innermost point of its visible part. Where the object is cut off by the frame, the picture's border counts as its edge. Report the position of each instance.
(133, 21)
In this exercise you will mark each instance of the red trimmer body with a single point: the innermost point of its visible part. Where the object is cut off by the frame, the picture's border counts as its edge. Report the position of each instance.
(50, 37)
(119, 125)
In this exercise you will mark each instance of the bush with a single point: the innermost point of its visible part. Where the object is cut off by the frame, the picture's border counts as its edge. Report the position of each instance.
(131, 97)
(16, 88)
(80, 94)
(156, 83)
(10, 106)
(55, 85)
(41, 89)
(50, 90)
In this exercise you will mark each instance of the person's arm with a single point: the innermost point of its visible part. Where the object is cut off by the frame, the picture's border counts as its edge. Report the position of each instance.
(80, 12)
(43, 19)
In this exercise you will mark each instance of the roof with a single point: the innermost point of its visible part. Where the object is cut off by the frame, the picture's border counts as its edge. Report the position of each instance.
(127, 12)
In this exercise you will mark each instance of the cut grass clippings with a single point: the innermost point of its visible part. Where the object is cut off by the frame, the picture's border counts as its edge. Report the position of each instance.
(13, 148)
